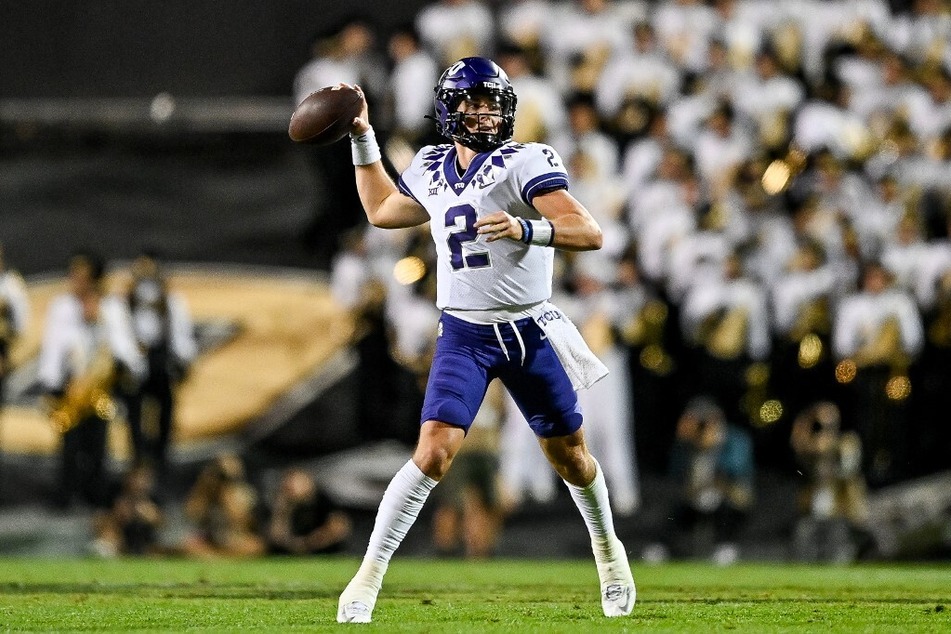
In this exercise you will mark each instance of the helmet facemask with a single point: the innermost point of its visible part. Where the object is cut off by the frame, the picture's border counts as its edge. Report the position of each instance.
(475, 80)
(484, 131)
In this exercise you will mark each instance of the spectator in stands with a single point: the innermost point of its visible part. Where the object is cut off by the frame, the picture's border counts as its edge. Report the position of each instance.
(222, 507)
(585, 133)
(342, 53)
(920, 29)
(698, 255)
(876, 334)
(580, 37)
(642, 155)
(165, 333)
(662, 212)
(854, 63)
(648, 333)
(453, 29)
(131, 525)
(524, 23)
(721, 147)
(802, 302)
(934, 116)
(600, 311)
(833, 505)
(772, 237)
(739, 32)
(88, 337)
(413, 67)
(876, 221)
(896, 92)
(14, 316)
(684, 28)
(769, 95)
(643, 70)
(931, 377)
(905, 252)
(390, 338)
(602, 192)
(541, 110)
(825, 121)
(725, 319)
(304, 519)
(712, 462)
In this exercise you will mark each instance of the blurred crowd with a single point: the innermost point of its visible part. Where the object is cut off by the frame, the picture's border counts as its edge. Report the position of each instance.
(109, 356)
(774, 185)
(227, 514)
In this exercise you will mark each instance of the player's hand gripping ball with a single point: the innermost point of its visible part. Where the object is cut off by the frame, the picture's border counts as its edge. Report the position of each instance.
(325, 116)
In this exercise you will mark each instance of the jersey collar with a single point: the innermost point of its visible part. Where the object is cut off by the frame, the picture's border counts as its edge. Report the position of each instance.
(458, 183)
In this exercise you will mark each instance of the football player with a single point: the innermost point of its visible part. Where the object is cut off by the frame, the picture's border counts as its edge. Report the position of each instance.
(496, 209)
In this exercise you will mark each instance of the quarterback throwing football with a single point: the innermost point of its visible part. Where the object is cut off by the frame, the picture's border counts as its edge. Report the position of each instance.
(496, 209)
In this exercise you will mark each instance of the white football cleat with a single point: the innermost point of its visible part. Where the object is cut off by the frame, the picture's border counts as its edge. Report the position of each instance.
(354, 612)
(618, 592)
(617, 599)
(358, 598)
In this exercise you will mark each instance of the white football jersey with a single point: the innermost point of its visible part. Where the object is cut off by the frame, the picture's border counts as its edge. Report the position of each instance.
(473, 274)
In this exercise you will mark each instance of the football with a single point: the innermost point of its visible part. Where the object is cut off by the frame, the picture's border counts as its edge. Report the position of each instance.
(324, 117)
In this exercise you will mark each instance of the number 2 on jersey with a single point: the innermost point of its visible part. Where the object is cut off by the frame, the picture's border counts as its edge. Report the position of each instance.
(459, 221)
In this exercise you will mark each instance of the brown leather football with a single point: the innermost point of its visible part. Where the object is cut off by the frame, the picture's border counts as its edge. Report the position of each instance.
(325, 116)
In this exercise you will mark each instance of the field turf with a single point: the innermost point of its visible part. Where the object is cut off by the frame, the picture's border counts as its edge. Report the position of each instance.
(285, 595)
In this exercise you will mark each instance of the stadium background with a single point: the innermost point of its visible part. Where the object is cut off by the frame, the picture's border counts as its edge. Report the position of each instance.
(80, 146)
(85, 160)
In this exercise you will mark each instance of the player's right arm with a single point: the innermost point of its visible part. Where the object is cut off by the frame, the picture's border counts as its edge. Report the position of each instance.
(383, 203)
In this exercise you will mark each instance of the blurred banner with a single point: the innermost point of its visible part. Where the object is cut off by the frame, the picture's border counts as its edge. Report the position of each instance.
(205, 197)
(137, 48)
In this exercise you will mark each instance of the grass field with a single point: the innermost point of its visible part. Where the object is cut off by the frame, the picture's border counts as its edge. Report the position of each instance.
(281, 595)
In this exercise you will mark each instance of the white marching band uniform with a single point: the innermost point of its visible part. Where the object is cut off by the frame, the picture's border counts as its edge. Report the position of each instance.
(70, 343)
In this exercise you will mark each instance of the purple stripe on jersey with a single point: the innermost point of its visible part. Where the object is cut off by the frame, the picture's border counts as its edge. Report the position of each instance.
(432, 160)
(401, 185)
(545, 182)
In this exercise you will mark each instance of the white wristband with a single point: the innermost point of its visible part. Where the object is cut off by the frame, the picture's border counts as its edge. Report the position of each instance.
(540, 232)
(364, 148)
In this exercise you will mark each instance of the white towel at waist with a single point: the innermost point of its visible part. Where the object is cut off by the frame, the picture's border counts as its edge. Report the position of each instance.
(583, 367)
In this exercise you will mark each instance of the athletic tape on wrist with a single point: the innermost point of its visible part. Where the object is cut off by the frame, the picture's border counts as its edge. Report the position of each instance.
(540, 232)
(364, 149)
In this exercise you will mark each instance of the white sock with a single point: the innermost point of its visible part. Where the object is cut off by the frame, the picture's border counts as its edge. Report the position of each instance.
(403, 499)
(595, 508)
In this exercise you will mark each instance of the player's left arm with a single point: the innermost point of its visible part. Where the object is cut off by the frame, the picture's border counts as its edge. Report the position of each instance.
(542, 181)
(573, 227)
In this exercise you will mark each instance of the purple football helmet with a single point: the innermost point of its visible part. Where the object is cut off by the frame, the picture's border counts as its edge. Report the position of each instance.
(469, 77)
